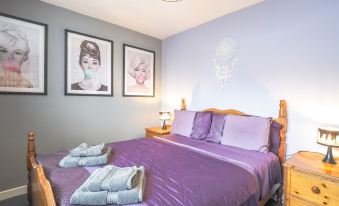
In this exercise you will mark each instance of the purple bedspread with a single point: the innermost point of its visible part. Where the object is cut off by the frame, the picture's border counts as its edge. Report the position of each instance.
(175, 174)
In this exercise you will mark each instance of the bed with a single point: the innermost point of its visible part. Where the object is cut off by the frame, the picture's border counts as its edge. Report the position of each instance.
(179, 171)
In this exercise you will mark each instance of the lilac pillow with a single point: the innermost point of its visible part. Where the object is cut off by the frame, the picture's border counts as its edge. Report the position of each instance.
(201, 125)
(247, 132)
(183, 122)
(275, 137)
(217, 127)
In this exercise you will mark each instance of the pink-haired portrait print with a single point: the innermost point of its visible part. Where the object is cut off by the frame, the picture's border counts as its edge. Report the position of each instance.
(138, 71)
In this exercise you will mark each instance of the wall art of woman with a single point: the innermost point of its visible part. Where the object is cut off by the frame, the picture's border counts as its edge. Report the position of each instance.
(14, 50)
(90, 62)
(140, 71)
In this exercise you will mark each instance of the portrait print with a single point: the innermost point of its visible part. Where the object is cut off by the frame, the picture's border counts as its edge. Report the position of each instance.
(23, 56)
(89, 65)
(139, 72)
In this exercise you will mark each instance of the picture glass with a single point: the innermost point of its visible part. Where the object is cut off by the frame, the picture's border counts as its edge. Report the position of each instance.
(138, 72)
(22, 56)
(89, 65)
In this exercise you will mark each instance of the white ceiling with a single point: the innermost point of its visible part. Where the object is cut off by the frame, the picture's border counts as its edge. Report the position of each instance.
(155, 17)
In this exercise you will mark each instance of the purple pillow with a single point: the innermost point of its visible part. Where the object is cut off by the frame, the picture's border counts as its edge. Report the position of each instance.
(275, 137)
(217, 127)
(201, 125)
(183, 122)
(247, 132)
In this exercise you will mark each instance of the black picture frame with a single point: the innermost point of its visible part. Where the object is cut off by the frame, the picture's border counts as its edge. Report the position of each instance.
(101, 43)
(127, 61)
(28, 82)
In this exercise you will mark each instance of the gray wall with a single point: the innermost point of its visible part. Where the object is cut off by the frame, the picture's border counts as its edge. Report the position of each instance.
(65, 121)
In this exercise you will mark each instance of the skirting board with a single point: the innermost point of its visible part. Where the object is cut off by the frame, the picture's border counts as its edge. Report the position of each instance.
(13, 192)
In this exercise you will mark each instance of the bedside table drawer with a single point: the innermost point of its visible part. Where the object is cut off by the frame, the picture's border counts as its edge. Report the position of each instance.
(152, 134)
(157, 131)
(314, 188)
(297, 202)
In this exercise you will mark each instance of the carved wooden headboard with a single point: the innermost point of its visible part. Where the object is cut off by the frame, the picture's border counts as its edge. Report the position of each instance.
(282, 119)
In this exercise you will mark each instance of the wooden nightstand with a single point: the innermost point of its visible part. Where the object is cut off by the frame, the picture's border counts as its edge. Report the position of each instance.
(157, 131)
(309, 181)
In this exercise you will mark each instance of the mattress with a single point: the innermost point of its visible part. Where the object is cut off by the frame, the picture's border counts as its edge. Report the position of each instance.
(179, 171)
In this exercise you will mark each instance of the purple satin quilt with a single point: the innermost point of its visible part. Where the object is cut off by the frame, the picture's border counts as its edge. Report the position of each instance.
(176, 174)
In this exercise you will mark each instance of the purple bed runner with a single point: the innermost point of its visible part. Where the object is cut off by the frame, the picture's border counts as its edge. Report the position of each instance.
(175, 175)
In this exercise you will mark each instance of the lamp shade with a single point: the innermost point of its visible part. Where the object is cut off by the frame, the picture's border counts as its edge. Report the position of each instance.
(164, 116)
(328, 136)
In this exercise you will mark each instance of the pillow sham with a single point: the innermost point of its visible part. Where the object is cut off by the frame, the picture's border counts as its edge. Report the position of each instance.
(217, 127)
(247, 132)
(183, 122)
(275, 137)
(201, 125)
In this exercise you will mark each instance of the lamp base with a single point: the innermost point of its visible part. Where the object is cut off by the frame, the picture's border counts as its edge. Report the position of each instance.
(329, 156)
(164, 125)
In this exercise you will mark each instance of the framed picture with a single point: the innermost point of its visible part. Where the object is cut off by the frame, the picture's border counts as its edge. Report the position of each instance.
(23, 56)
(89, 65)
(139, 72)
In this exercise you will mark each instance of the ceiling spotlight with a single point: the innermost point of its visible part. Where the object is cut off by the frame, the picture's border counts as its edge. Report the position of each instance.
(171, 0)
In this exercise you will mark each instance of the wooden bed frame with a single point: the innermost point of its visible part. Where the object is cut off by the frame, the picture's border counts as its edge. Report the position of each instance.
(40, 193)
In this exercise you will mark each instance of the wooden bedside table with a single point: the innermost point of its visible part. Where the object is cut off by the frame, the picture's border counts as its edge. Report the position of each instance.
(157, 131)
(309, 181)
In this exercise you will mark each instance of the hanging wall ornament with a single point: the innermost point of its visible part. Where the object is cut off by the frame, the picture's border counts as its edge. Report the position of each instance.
(225, 60)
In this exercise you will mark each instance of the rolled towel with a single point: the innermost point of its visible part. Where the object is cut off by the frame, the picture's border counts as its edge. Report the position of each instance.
(120, 179)
(70, 161)
(84, 150)
(132, 196)
(89, 198)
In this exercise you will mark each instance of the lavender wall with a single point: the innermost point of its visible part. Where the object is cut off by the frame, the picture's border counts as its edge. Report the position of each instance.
(287, 50)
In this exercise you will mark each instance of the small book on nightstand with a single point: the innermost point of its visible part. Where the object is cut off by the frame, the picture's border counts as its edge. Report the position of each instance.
(157, 131)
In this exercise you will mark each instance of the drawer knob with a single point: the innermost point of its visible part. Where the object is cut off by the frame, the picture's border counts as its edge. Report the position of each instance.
(315, 190)
(325, 203)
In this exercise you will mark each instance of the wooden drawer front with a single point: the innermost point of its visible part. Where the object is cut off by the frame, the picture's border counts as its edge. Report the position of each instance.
(314, 189)
(297, 202)
(152, 134)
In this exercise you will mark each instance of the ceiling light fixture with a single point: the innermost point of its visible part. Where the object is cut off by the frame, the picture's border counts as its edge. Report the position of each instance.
(171, 0)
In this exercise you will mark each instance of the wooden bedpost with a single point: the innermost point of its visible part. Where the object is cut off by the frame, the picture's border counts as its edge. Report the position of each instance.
(183, 104)
(283, 121)
(282, 148)
(39, 190)
(29, 157)
(30, 149)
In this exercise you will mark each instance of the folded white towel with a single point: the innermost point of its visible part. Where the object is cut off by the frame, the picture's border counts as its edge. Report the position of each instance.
(135, 195)
(85, 150)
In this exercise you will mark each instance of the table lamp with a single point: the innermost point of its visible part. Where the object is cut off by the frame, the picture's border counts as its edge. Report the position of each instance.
(164, 116)
(328, 136)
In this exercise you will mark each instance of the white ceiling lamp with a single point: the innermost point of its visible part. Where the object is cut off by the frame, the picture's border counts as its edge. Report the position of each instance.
(171, 0)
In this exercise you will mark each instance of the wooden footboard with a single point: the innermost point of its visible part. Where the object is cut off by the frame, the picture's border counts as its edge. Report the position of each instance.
(39, 190)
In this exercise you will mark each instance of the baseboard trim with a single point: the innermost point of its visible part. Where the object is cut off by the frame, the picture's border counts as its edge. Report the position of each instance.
(6, 194)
